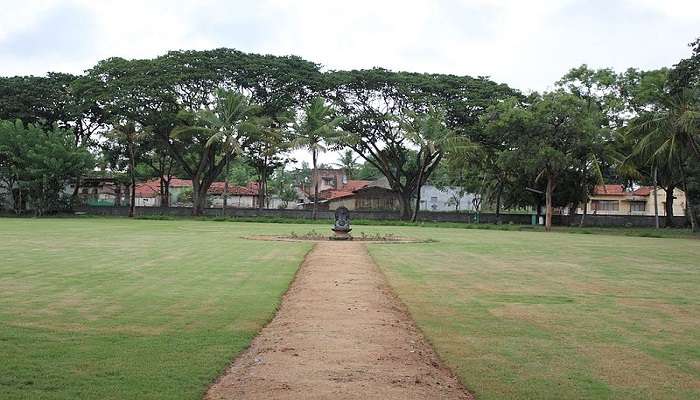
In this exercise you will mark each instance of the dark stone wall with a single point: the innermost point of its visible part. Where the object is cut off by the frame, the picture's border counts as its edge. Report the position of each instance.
(637, 221)
(519, 219)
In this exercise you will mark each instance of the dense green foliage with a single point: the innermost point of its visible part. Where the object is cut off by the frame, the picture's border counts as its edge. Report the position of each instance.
(507, 148)
(36, 164)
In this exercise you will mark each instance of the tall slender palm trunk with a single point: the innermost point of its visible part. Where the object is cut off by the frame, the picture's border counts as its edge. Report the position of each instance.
(225, 204)
(669, 205)
(585, 211)
(656, 198)
(132, 194)
(414, 216)
(550, 191)
(314, 179)
(688, 207)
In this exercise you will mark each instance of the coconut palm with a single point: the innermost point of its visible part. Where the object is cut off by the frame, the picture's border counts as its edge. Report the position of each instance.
(128, 134)
(348, 162)
(317, 127)
(225, 124)
(669, 135)
(430, 134)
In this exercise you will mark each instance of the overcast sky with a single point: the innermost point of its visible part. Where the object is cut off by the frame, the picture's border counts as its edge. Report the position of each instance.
(526, 44)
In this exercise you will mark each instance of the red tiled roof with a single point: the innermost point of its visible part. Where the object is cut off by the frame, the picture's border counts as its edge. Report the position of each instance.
(148, 189)
(177, 182)
(152, 188)
(348, 189)
(353, 185)
(218, 188)
(613, 190)
(332, 194)
(619, 190)
(643, 191)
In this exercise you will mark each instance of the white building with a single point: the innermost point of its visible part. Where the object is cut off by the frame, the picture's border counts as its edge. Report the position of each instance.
(445, 199)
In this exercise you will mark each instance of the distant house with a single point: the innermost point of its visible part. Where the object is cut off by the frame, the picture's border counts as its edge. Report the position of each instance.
(148, 192)
(100, 191)
(445, 199)
(362, 196)
(615, 200)
(238, 196)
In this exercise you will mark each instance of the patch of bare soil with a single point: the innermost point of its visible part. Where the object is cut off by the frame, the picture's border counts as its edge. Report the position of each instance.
(339, 334)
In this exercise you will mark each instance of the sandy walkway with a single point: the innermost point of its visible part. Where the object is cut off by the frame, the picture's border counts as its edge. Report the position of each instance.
(339, 334)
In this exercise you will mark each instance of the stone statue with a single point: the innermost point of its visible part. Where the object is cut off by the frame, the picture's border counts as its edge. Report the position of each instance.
(341, 228)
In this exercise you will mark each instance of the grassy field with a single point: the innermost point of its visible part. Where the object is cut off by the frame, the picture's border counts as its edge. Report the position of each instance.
(119, 309)
(112, 308)
(530, 315)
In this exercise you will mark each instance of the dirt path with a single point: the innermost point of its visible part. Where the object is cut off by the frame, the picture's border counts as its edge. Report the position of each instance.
(339, 334)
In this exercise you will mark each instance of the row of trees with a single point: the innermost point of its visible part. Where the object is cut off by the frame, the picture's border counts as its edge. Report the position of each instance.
(180, 107)
(194, 114)
(597, 126)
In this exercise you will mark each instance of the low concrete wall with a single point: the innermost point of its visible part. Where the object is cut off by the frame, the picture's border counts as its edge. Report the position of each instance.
(519, 219)
(637, 221)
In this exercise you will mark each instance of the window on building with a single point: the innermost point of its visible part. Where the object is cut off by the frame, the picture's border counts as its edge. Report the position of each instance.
(638, 206)
(606, 205)
(433, 199)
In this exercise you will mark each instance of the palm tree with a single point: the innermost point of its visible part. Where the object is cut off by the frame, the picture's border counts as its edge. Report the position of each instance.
(128, 134)
(669, 135)
(232, 116)
(348, 162)
(429, 132)
(316, 128)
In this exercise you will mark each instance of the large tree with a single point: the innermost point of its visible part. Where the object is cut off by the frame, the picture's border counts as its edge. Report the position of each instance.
(53, 100)
(669, 137)
(126, 138)
(314, 129)
(375, 101)
(429, 133)
(216, 133)
(36, 164)
(553, 137)
(266, 149)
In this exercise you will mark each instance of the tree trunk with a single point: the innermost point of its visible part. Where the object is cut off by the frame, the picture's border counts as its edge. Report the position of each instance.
(262, 186)
(499, 193)
(196, 210)
(19, 206)
(405, 204)
(656, 198)
(550, 191)
(414, 216)
(201, 202)
(314, 178)
(690, 213)
(669, 205)
(164, 192)
(74, 197)
(132, 173)
(585, 211)
(688, 207)
(225, 203)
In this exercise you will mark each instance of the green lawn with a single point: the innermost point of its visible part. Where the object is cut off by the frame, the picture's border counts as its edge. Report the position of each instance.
(530, 315)
(113, 308)
(119, 309)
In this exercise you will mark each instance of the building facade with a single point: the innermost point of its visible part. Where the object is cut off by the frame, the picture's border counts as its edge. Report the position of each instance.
(615, 200)
(445, 199)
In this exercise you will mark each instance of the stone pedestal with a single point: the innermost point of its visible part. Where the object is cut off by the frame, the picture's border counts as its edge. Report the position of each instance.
(341, 234)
